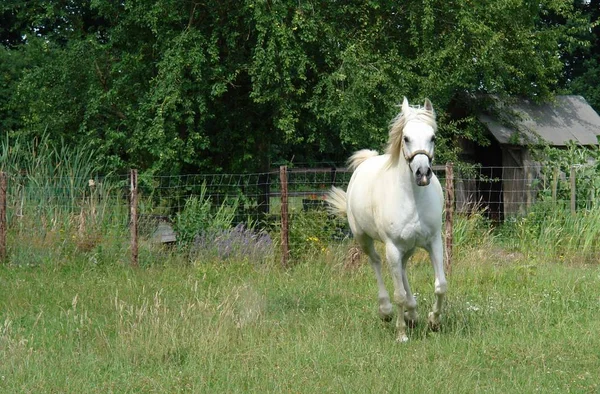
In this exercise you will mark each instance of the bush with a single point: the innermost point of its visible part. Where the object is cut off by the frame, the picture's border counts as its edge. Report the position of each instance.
(200, 216)
(312, 231)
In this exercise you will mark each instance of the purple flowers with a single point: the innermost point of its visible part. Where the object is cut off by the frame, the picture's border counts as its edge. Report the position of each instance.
(238, 242)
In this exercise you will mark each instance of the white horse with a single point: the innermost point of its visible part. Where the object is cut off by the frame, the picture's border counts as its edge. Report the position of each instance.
(395, 198)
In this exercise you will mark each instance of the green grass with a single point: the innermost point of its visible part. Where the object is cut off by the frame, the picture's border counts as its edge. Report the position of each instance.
(522, 313)
(510, 326)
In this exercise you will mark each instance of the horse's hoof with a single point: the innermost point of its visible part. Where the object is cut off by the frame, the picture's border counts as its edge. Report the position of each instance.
(410, 323)
(433, 322)
(386, 317)
(402, 338)
(411, 319)
(386, 313)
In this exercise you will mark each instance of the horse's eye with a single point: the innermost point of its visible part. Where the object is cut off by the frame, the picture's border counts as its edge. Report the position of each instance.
(433, 138)
(406, 139)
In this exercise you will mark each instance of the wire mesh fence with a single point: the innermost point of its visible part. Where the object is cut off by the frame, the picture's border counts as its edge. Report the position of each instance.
(245, 212)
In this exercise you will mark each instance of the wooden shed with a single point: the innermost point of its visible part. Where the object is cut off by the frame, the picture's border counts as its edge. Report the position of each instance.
(504, 186)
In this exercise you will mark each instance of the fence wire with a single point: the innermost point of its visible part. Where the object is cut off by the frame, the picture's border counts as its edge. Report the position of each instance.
(186, 208)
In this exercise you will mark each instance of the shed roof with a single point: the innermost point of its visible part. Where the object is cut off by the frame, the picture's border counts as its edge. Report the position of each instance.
(568, 118)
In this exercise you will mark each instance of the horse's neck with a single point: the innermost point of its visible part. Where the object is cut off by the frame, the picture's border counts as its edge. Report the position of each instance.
(404, 178)
(403, 173)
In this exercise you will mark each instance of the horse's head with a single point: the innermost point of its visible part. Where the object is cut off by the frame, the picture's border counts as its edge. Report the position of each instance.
(418, 139)
(413, 134)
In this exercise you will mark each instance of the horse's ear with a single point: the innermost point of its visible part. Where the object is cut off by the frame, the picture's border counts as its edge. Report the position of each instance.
(428, 106)
(405, 106)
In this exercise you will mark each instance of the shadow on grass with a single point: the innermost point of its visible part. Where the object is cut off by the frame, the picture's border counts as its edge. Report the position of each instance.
(454, 324)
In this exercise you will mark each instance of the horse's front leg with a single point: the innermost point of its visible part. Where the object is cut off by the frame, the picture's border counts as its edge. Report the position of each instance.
(410, 315)
(436, 254)
(394, 256)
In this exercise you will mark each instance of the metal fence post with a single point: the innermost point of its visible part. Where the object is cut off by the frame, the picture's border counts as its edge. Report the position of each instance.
(285, 246)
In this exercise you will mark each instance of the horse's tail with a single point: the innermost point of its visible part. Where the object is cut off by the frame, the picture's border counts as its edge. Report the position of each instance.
(336, 198)
(358, 157)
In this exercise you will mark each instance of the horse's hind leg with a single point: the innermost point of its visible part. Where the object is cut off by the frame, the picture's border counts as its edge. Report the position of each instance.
(410, 315)
(436, 253)
(385, 306)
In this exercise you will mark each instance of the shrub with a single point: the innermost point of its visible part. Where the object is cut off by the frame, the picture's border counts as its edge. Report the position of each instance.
(200, 216)
(312, 231)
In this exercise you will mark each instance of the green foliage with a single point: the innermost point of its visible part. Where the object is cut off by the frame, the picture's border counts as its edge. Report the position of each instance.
(550, 230)
(311, 232)
(556, 168)
(57, 207)
(553, 233)
(48, 175)
(472, 231)
(586, 85)
(583, 66)
(200, 216)
(222, 86)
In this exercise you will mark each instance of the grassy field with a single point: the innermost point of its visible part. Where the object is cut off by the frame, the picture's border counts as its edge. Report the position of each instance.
(512, 326)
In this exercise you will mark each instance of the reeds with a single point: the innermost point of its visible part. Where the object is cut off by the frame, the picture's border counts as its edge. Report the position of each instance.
(551, 232)
(56, 202)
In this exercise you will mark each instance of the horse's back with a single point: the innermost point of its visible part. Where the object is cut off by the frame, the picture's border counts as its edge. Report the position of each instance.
(361, 195)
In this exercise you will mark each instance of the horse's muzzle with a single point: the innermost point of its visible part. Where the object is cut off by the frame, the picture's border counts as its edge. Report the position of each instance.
(423, 181)
(423, 176)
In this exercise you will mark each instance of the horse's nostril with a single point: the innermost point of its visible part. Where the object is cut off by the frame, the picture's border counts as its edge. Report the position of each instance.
(428, 172)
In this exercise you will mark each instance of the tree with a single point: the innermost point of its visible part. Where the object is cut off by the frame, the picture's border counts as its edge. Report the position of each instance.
(170, 86)
(584, 76)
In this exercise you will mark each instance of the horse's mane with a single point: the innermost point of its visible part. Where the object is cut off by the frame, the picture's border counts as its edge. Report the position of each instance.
(394, 146)
(358, 157)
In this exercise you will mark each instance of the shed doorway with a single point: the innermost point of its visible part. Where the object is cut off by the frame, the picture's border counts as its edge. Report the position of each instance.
(489, 181)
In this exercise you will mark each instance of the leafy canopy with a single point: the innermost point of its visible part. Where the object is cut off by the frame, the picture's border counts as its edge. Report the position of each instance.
(176, 86)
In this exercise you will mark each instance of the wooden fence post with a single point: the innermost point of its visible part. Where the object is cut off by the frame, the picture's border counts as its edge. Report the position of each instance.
(3, 225)
(554, 184)
(133, 219)
(333, 175)
(573, 191)
(529, 188)
(448, 237)
(285, 241)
